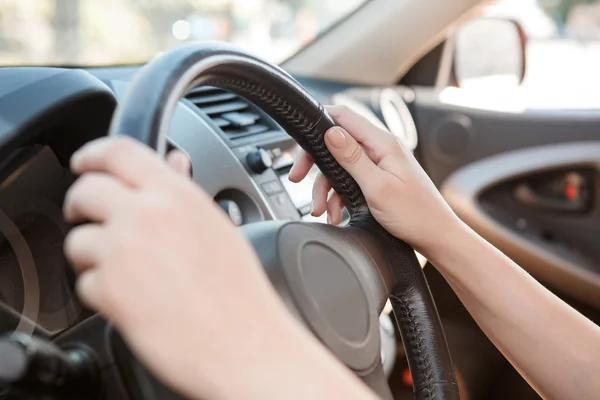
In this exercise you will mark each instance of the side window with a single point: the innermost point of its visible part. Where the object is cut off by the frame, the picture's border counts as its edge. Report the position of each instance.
(561, 54)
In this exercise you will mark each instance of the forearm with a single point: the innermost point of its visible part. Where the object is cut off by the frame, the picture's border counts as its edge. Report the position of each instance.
(284, 362)
(312, 372)
(302, 372)
(552, 345)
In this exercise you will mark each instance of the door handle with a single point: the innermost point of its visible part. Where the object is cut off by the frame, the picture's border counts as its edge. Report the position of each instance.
(526, 195)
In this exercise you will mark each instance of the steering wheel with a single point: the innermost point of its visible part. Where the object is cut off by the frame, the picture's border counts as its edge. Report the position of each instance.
(335, 279)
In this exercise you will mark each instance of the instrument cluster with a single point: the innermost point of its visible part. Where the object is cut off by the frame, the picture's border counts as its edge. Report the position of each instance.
(36, 283)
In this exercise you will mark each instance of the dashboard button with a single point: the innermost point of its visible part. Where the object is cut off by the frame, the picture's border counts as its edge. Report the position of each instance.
(280, 200)
(233, 211)
(284, 207)
(259, 161)
(272, 187)
(305, 210)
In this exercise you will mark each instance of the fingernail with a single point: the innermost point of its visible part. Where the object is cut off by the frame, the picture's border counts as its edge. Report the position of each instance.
(336, 137)
(329, 219)
(291, 173)
(312, 208)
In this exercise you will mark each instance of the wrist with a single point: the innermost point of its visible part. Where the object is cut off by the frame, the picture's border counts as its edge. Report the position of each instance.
(448, 238)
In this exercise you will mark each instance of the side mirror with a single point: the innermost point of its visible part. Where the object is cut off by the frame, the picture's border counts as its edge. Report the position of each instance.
(490, 52)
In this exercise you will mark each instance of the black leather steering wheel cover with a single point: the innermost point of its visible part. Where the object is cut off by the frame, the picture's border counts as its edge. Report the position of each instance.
(146, 112)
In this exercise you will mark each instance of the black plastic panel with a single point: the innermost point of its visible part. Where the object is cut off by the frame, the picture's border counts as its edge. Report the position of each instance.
(569, 234)
(59, 107)
(483, 133)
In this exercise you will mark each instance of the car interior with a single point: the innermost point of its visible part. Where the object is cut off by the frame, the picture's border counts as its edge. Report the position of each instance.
(442, 76)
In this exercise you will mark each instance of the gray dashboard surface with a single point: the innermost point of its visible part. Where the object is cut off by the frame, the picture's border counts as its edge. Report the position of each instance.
(14, 78)
(215, 167)
(36, 101)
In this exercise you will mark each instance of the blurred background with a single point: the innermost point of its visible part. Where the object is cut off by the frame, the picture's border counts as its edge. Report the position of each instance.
(130, 31)
(563, 35)
(92, 32)
(563, 50)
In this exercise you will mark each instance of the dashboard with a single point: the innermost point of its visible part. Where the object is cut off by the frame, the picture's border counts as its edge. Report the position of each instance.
(239, 155)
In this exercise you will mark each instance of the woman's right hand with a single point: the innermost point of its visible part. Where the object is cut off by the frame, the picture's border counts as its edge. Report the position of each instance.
(399, 193)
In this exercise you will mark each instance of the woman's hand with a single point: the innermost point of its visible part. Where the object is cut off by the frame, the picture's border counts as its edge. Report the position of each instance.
(167, 267)
(399, 193)
(547, 341)
(156, 259)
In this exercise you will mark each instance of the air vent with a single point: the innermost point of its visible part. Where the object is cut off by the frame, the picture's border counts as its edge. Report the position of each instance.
(234, 115)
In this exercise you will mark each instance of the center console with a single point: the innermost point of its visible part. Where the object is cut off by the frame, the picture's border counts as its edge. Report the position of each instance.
(269, 164)
(261, 145)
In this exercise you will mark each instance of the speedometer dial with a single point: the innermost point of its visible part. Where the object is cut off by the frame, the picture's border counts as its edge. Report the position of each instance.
(35, 279)
(19, 288)
(58, 306)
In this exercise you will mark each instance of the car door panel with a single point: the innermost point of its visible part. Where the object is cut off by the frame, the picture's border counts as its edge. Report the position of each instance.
(483, 162)
(451, 136)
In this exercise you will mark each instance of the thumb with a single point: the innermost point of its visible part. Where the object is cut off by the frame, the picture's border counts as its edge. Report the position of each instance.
(351, 156)
(180, 163)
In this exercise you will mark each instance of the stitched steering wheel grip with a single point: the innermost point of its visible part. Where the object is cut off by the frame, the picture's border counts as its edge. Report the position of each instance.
(146, 112)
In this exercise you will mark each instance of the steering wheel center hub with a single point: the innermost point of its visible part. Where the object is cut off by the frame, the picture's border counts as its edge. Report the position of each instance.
(332, 285)
(327, 279)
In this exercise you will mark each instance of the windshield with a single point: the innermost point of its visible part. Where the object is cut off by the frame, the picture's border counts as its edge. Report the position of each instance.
(112, 32)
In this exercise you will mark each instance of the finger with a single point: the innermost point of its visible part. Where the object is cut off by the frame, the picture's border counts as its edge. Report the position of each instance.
(93, 197)
(130, 161)
(334, 209)
(89, 290)
(351, 156)
(376, 141)
(84, 247)
(321, 188)
(301, 166)
(180, 163)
